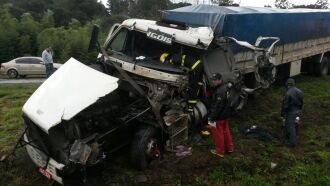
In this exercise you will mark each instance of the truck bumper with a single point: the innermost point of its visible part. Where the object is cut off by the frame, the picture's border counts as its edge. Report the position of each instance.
(50, 169)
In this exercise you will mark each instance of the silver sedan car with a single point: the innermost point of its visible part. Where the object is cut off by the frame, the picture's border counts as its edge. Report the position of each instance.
(23, 66)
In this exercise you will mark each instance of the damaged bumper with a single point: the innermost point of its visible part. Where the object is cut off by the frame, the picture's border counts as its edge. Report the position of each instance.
(47, 166)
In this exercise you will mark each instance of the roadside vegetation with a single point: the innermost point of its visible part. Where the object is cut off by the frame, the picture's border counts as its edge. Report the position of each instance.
(250, 164)
(28, 27)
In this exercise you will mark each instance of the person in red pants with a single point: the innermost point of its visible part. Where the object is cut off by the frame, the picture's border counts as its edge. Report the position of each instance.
(218, 117)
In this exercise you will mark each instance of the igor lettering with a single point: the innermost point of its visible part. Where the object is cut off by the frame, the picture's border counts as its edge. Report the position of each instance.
(159, 37)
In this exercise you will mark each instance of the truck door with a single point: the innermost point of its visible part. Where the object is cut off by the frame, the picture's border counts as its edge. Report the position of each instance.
(220, 61)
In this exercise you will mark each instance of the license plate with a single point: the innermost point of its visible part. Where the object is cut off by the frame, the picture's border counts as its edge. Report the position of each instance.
(45, 173)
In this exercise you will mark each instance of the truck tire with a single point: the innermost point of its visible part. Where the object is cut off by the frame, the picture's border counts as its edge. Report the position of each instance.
(145, 147)
(322, 69)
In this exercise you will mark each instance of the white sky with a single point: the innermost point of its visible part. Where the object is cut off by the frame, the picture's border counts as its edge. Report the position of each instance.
(257, 3)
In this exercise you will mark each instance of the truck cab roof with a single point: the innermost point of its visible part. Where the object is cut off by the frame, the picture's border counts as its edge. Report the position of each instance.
(199, 37)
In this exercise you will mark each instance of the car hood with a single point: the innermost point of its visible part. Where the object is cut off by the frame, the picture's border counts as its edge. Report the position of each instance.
(72, 88)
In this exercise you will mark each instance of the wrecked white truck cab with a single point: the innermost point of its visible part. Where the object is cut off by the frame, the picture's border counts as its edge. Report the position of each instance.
(80, 114)
(129, 97)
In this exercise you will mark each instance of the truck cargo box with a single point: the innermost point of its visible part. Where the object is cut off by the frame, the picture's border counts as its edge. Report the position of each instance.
(248, 23)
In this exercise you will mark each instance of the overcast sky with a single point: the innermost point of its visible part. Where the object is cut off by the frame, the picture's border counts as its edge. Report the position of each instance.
(258, 3)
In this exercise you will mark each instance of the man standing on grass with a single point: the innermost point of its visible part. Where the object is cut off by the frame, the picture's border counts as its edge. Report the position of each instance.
(47, 57)
(218, 117)
(291, 107)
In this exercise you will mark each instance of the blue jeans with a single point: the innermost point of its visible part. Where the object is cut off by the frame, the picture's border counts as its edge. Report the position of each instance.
(290, 127)
(49, 69)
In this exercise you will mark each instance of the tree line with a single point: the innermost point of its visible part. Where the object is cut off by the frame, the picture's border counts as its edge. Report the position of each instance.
(29, 26)
(285, 4)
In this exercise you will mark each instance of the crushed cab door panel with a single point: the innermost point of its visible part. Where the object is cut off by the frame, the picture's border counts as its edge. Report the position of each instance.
(219, 61)
(67, 92)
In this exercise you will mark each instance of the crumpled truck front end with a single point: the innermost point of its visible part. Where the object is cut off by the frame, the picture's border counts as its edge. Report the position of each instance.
(58, 141)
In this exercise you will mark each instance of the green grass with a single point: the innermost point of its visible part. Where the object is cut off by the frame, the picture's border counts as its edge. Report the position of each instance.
(12, 98)
(307, 164)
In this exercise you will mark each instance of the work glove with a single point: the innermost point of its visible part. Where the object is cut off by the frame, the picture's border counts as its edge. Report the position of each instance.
(211, 123)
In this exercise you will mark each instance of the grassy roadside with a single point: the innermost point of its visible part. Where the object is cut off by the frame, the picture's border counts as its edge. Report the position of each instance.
(250, 164)
(12, 98)
(308, 164)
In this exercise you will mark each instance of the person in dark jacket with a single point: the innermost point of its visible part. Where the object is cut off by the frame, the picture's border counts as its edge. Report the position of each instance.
(218, 117)
(291, 107)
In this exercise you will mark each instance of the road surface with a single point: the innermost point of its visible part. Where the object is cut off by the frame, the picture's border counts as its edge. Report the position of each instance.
(22, 81)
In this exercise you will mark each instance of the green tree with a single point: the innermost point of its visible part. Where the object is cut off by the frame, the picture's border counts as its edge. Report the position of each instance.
(55, 37)
(118, 6)
(224, 2)
(74, 24)
(82, 10)
(149, 9)
(8, 36)
(34, 7)
(47, 20)
(25, 45)
(282, 4)
(29, 27)
(322, 4)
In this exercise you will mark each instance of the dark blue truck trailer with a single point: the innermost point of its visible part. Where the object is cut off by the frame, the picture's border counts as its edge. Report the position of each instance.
(247, 23)
(304, 35)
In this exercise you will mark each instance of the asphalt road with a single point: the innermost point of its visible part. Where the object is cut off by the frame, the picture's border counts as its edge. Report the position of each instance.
(22, 81)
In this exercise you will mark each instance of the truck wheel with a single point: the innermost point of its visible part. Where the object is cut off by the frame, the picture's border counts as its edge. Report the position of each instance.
(322, 69)
(145, 147)
(12, 73)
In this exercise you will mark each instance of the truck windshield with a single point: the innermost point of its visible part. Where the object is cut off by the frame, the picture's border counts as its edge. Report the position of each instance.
(133, 43)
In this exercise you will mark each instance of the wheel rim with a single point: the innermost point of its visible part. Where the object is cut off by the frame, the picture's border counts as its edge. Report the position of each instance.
(12, 74)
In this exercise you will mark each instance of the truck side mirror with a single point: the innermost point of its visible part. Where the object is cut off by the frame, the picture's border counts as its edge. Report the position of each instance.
(93, 43)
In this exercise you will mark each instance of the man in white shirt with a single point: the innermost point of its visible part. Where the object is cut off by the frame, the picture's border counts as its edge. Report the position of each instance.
(47, 57)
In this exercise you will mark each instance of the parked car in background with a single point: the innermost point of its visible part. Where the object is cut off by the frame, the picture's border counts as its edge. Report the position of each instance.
(23, 66)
